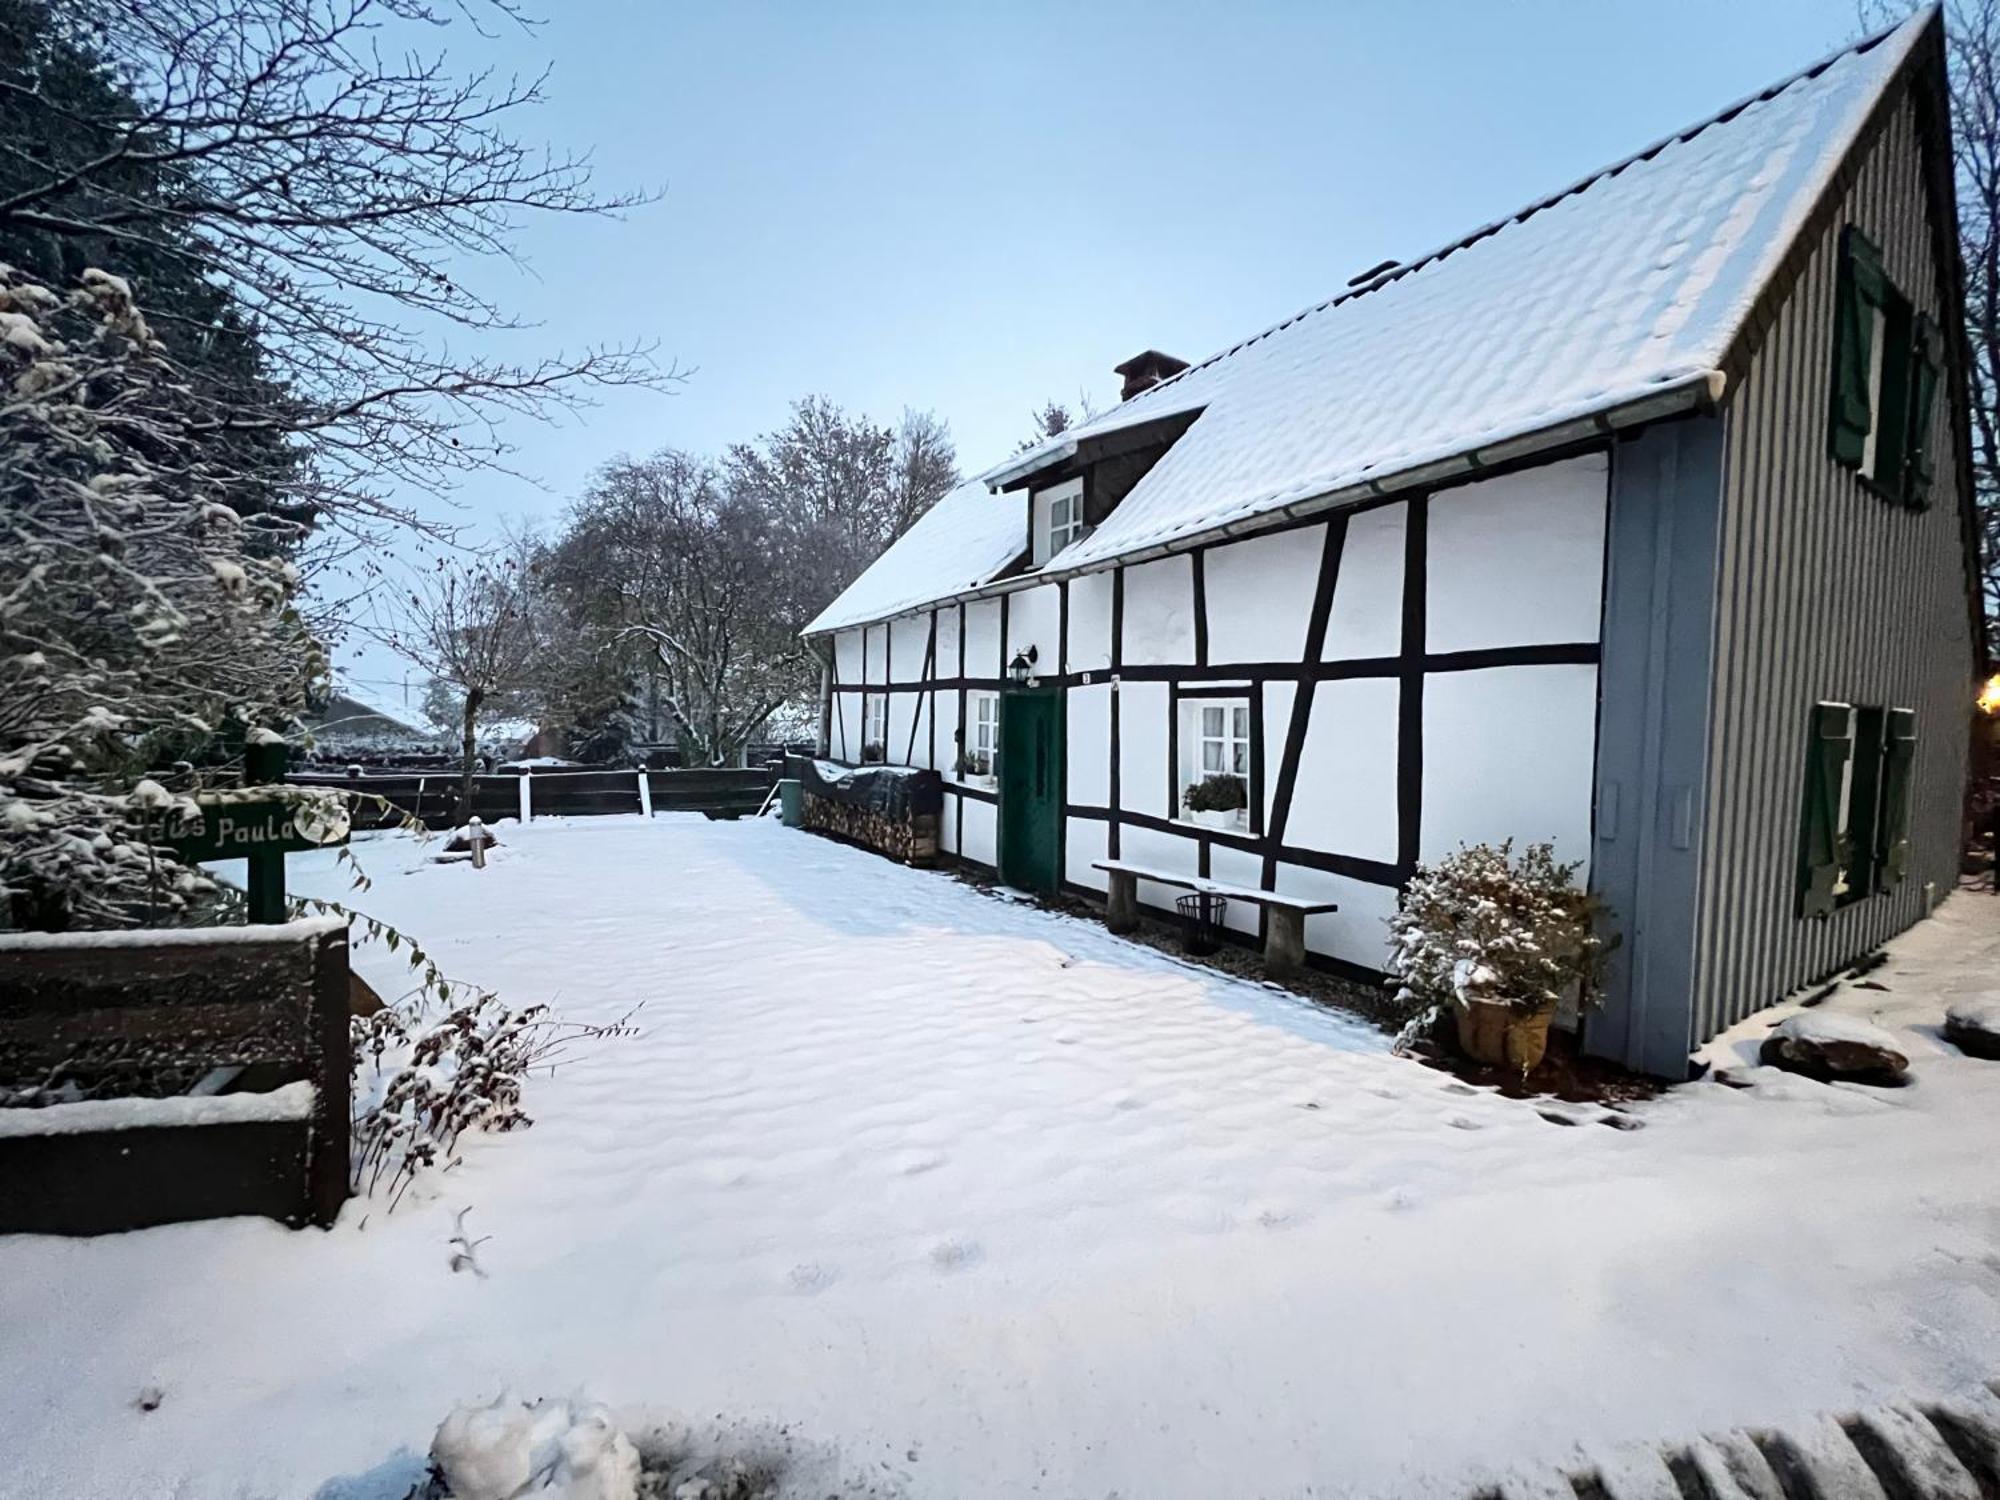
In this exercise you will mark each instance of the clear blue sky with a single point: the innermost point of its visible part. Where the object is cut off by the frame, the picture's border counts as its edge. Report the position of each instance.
(974, 208)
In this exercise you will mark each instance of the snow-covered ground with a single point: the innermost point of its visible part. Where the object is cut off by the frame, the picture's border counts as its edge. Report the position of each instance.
(948, 1196)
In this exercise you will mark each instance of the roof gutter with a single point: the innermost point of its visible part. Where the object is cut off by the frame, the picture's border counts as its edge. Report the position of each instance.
(1032, 462)
(1702, 391)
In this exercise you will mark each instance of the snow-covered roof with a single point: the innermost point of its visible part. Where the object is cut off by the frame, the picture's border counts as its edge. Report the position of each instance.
(378, 705)
(1623, 293)
(961, 542)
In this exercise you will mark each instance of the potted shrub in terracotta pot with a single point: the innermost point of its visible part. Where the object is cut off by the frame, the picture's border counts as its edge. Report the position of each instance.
(1496, 943)
(1215, 801)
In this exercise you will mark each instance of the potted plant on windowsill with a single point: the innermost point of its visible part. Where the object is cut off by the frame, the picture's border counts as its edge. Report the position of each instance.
(872, 753)
(1496, 943)
(1216, 801)
(975, 770)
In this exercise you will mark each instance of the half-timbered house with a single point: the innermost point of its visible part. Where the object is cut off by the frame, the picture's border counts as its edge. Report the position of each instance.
(1636, 521)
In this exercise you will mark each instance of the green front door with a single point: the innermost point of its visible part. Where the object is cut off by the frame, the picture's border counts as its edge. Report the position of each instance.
(1031, 789)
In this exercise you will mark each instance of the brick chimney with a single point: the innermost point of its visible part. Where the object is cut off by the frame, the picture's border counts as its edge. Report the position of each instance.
(1144, 371)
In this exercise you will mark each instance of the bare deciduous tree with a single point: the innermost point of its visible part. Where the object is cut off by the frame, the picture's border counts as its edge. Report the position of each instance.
(1972, 31)
(336, 183)
(687, 577)
(840, 488)
(469, 627)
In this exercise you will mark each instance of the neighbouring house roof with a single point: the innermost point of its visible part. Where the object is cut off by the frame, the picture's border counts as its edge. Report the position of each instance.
(1620, 296)
(354, 712)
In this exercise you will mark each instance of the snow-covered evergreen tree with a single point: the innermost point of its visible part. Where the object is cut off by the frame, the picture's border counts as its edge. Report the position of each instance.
(138, 622)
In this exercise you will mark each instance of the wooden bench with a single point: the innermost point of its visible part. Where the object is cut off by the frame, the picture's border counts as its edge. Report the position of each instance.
(1284, 933)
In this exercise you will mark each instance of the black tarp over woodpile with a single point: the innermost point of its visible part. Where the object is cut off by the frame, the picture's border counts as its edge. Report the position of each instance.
(898, 792)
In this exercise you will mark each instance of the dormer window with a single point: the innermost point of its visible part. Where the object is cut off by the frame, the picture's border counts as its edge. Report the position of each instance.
(1058, 518)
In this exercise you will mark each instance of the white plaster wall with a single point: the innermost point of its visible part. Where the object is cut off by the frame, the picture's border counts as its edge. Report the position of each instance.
(1277, 724)
(1508, 752)
(1034, 618)
(1517, 560)
(876, 641)
(1087, 761)
(1260, 595)
(843, 733)
(1237, 867)
(1142, 747)
(1358, 932)
(1159, 612)
(982, 638)
(1367, 618)
(1084, 843)
(921, 755)
(947, 642)
(1345, 799)
(902, 717)
(1163, 851)
(847, 656)
(910, 642)
(1090, 622)
(979, 831)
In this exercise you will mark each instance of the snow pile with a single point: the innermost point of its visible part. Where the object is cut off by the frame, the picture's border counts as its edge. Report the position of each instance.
(1973, 1026)
(292, 1101)
(1982, 1013)
(547, 1450)
(1822, 1027)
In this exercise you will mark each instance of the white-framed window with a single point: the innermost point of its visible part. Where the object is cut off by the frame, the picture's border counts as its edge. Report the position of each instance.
(1215, 753)
(874, 726)
(982, 733)
(1059, 513)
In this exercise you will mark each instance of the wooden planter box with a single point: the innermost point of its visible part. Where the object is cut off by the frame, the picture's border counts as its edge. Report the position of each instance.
(272, 1001)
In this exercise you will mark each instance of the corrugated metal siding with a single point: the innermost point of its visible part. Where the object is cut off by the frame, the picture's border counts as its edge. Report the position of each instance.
(1825, 592)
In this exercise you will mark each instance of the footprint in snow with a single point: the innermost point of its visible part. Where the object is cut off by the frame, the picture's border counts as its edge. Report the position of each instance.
(912, 1163)
(1459, 1122)
(810, 1277)
(955, 1254)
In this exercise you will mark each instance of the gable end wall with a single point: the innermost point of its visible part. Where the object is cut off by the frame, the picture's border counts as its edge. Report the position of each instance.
(1824, 591)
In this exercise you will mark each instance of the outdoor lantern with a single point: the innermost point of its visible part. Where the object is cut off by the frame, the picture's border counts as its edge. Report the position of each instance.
(1022, 666)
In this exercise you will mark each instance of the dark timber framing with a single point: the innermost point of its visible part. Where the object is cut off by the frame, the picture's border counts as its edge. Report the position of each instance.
(1274, 765)
(1265, 837)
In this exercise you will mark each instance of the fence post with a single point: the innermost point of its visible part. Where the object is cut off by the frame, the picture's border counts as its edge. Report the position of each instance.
(327, 1161)
(645, 793)
(527, 796)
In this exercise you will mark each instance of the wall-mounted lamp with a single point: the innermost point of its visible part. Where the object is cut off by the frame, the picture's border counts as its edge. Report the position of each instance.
(1022, 667)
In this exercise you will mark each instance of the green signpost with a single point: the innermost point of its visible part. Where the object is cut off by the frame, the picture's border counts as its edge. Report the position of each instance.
(262, 830)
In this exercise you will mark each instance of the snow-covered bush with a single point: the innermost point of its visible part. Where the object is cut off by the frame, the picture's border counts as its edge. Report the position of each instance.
(141, 620)
(1481, 925)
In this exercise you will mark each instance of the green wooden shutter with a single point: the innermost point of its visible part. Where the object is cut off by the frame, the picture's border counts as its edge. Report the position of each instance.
(1827, 750)
(1927, 369)
(1893, 839)
(1861, 288)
